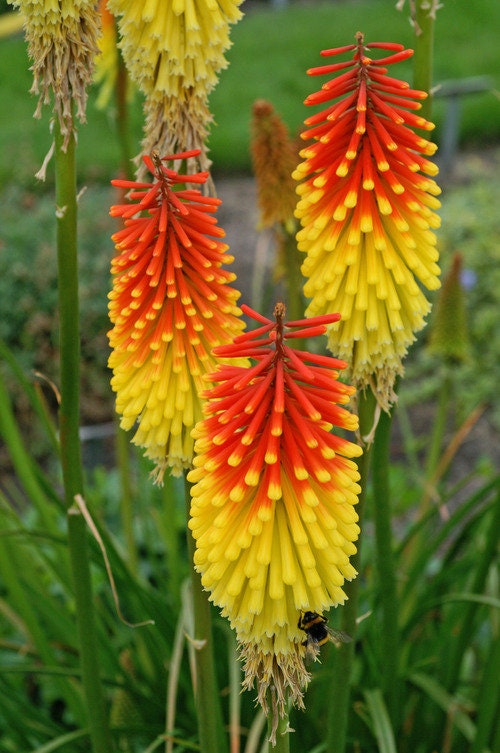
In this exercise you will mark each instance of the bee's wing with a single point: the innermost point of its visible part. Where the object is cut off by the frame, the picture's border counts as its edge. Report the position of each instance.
(338, 636)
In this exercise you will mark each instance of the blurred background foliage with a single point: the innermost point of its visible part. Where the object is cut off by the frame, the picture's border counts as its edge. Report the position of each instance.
(271, 52)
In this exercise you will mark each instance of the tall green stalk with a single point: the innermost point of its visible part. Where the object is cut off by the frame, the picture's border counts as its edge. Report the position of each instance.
(342, 667)
(424, 22)
(212, 737)
(69, 416)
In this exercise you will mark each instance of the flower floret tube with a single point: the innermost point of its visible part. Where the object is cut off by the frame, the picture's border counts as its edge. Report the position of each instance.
(367, 209)
(274, 492)
(170, 305)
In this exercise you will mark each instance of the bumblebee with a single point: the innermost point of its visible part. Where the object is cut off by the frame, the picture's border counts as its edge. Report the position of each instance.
(318, 633)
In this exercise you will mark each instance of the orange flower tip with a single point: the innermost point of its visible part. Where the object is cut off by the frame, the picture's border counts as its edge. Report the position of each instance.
(339, 50)
(319, 182)
(271, 458)
(427, 147)
(353, 450)
(384, 206)
(327, 453)
(342, 170)
(310, 497)
(301, 474)
(274, 491)
(351, 199)
(252, 478)
(383, 166)
(368, 184)
(237, 493)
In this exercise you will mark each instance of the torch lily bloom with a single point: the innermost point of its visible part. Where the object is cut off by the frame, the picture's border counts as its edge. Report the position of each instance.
(170, 305)
(273, 501)
(367, 213)
(62, 42)
(174, 52)
(274, 157)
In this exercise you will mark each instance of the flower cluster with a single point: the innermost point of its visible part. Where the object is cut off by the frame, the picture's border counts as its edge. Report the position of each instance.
(170, 306)
(367, 212)
(273, 502)
(63, 46)
(174, 52)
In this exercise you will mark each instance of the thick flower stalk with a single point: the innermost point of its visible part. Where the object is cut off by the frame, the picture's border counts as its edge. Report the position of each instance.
(62, 44)
(174, 51)
(273, 502)
(367, 213)
(170, 306)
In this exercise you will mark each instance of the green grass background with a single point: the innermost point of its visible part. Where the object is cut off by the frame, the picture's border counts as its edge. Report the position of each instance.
(271, 51)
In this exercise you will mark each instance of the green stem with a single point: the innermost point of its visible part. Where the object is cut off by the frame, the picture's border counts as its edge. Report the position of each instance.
(386, 570)
(210, 724)
(69, 416)
(69, 334)
(437, 437)
(424, 47)
(282, 742)
(343, 662)
(171, 535)
(89, 657)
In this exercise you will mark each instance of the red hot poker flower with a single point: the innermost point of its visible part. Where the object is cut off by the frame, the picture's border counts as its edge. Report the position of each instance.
(367, 212)
(274, 492)
(170, 306)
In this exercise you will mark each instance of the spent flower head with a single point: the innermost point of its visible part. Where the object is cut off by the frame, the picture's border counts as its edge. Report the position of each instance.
(170, 306)
(62, 43)
(367, 212)
(273, 501)
(174, 52)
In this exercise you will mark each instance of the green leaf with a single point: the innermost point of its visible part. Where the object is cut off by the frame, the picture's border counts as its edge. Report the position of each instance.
(447, 702)
(61, 741)
(381, 724)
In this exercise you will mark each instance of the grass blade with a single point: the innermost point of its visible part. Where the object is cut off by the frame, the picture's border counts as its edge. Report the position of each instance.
(381, 725)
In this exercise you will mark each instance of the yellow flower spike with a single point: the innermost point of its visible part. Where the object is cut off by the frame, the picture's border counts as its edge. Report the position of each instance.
(174, 51)
(280, 545)
(170, 305)
(62, 42)
(367, 213)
